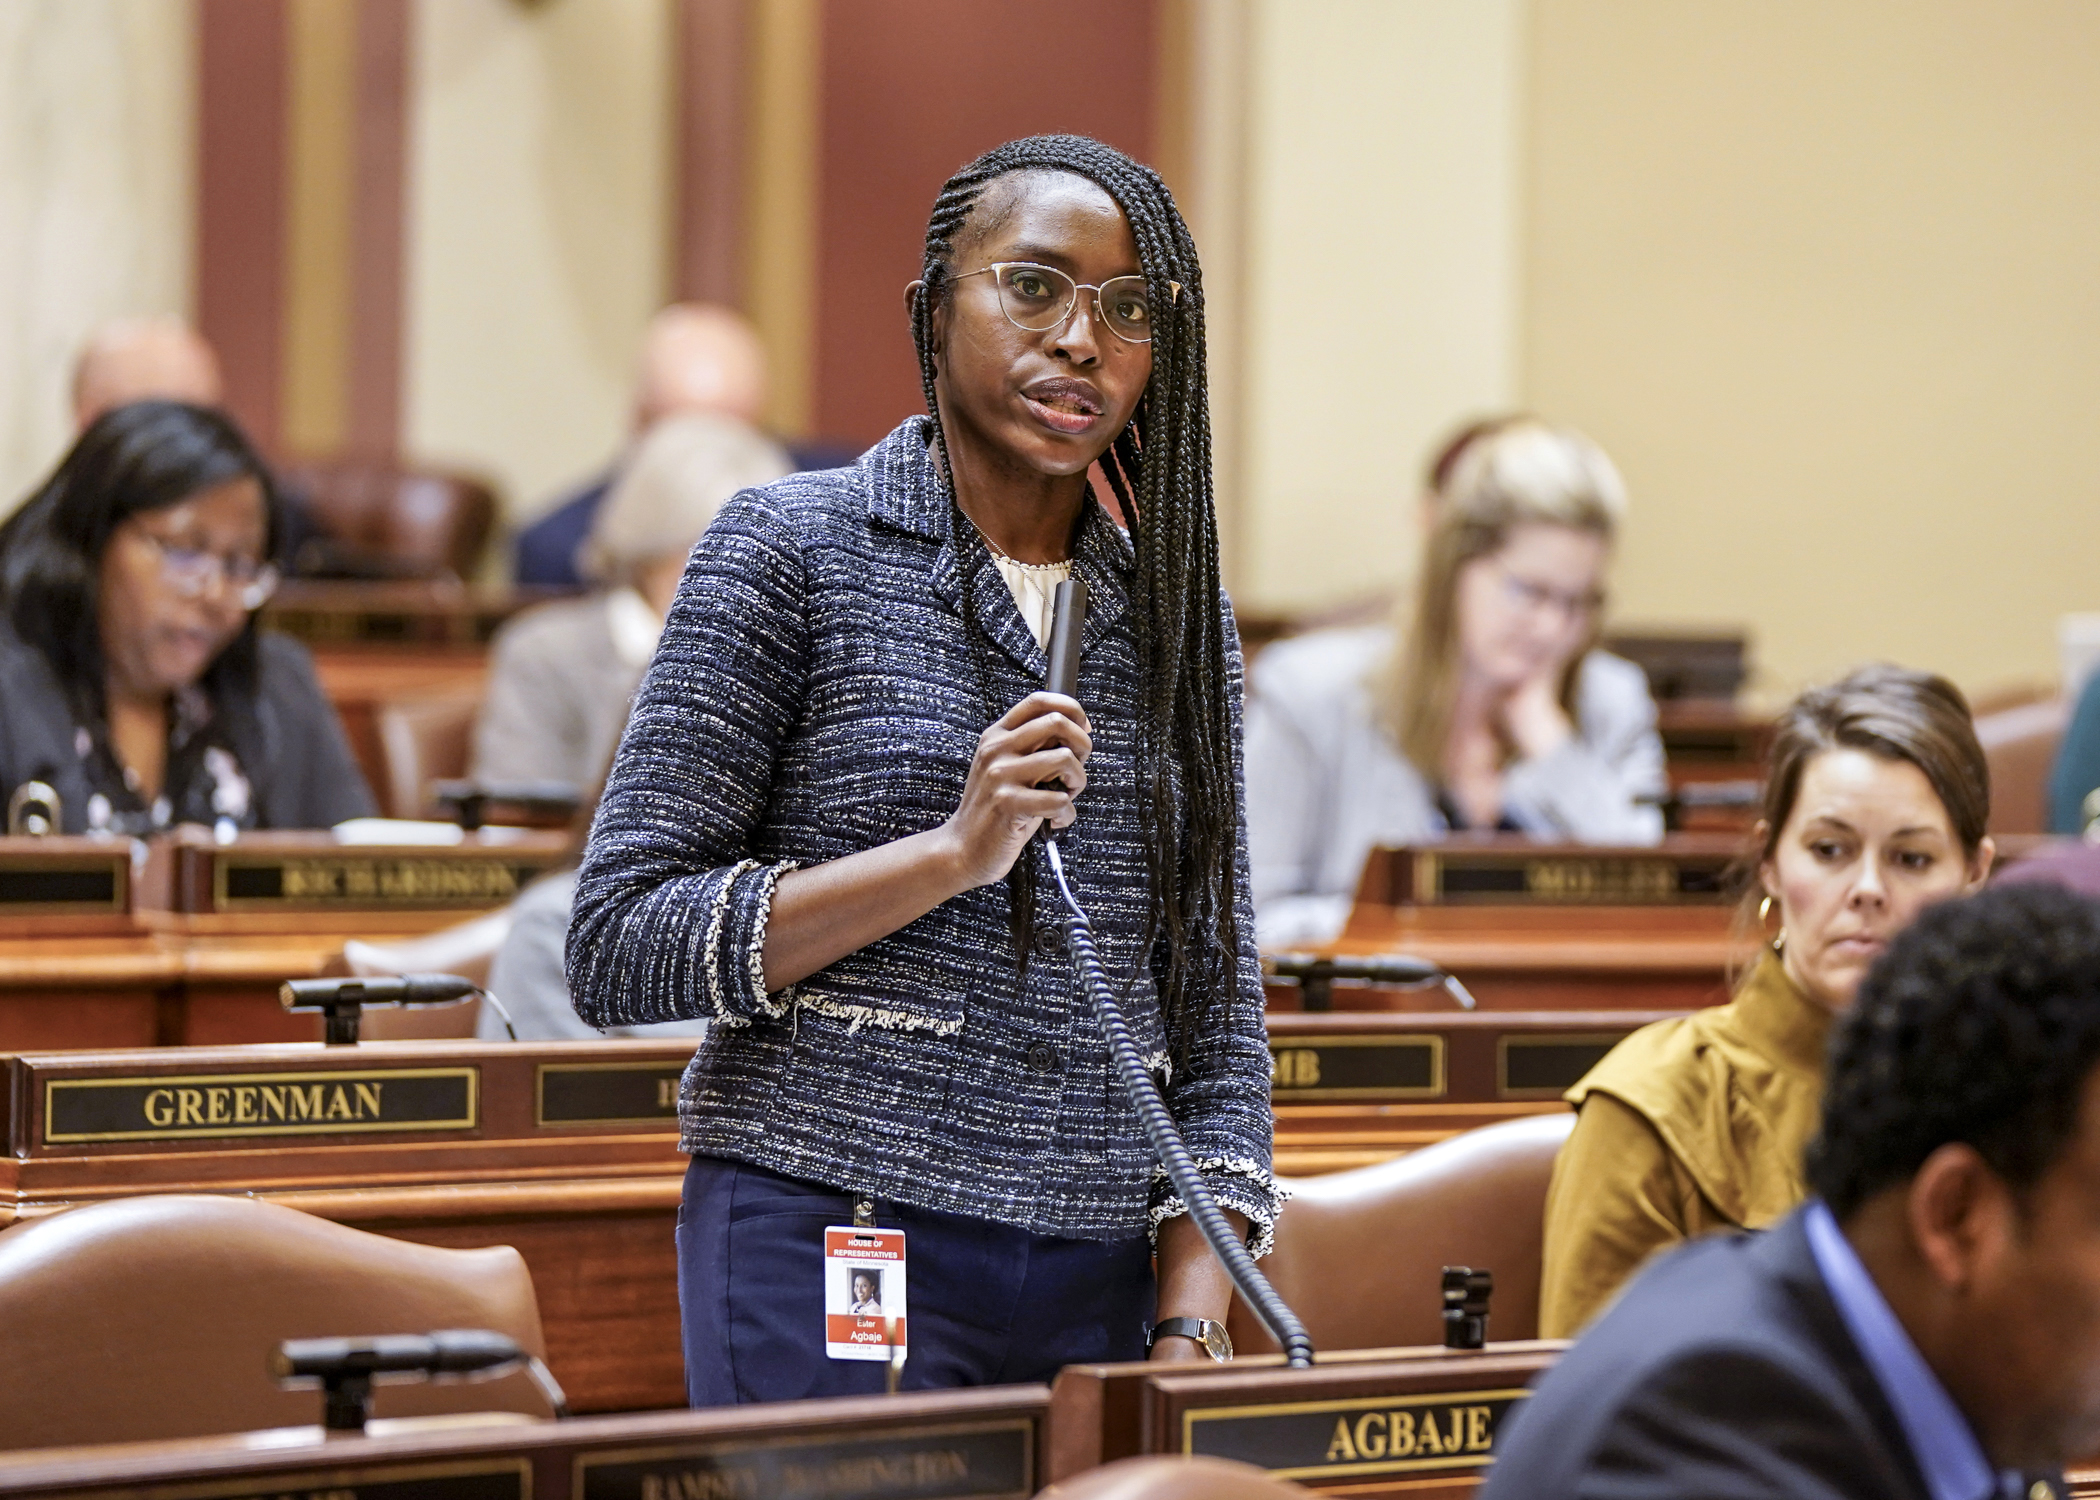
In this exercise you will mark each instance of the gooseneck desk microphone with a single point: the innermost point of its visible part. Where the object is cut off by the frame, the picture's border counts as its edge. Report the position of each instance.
(1067, 624)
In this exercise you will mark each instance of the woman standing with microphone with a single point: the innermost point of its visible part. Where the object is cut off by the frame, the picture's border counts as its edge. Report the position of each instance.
(817, 832)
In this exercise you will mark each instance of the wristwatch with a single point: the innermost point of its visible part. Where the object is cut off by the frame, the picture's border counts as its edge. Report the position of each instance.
(1212, 1336)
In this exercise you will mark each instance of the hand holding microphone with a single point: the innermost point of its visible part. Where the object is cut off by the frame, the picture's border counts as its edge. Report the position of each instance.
(1031, 764)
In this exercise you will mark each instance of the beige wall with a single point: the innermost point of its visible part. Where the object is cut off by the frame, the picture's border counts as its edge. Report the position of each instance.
(1824, 276)
(95, 192)
(538, 232)
(1381, 240)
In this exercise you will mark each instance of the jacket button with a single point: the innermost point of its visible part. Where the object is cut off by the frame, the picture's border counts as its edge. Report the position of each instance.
(1049, 942)
(1043, 1057)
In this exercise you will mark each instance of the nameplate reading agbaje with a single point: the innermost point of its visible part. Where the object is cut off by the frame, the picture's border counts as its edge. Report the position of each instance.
(1494, 877)
(1303, 1071)
(980, 1461)
(345, 1102)
(494, 1479)
(317, 882)
(1369, 1435)
(608, 1094)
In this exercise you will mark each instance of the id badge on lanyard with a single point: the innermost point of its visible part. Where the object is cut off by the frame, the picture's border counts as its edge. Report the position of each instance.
(864, 1293)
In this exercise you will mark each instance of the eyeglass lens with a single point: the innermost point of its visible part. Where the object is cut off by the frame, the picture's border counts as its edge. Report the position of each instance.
(191, 571)
(1041, 297)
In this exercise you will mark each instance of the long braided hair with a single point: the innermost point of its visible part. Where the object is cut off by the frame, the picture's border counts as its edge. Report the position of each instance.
(1159, 469)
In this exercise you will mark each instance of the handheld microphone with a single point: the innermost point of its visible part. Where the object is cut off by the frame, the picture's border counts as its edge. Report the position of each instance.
(1067, 625)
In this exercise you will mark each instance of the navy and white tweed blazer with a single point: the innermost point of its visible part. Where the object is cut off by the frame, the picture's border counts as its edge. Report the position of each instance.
(813, 696)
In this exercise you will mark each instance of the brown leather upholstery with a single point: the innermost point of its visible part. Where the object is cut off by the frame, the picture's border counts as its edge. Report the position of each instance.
(154, 1317)
(424, 740)
(1173, 1479)
(465, 948)
(378, 520)
(1359, 1255)
(2019, 745)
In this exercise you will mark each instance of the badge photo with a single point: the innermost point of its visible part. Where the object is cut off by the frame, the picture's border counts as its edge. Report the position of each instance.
(863, 1292)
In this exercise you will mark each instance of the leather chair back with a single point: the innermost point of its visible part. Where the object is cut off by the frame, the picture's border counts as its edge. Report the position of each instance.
(2019, 745)
(154, 1317)
(376, 519)
(425, 740)
(1360, 1255)
(1173, 1479)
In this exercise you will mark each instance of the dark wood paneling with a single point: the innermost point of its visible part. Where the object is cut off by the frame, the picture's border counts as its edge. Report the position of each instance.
(910, 91)
(377, 248)
(242, 57)
(709, 42)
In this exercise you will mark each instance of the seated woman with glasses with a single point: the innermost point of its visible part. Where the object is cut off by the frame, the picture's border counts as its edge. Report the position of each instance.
(136, 685)
(1487, 708)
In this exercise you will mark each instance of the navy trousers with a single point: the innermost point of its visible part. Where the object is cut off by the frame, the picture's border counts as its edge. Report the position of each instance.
(989, 1304)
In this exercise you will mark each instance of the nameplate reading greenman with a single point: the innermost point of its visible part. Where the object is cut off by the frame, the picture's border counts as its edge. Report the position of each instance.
(346, 1101)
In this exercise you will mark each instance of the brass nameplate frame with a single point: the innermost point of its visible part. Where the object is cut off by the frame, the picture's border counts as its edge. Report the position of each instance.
(1534, 1067)
(346, 1101)
(1512, 877)
(1361, 1436)
(1309, 1070)
(490, 1479)
(989, 1460)
(320, 882)
(621, 1093)
(66, 885)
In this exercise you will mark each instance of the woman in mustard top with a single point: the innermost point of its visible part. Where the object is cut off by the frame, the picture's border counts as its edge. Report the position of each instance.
(1876, 797)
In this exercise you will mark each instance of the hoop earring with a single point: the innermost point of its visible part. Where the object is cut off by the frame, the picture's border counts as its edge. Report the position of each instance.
(1764, 913)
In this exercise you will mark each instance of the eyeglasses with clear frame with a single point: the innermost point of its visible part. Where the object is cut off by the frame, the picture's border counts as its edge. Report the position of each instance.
(1535, 597)
(192, 571)
(1037, 299)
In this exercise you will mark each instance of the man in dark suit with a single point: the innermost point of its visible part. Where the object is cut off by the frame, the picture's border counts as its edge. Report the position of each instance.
(1928, 1325)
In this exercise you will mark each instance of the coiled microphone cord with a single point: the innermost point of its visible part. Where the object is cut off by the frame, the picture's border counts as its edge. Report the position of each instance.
(1282, 1323)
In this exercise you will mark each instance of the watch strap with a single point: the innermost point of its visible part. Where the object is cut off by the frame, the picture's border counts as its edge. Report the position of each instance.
(1211, 1335)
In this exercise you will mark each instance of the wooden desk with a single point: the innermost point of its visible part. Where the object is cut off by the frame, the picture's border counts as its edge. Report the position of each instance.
(1386, 1422)
(567, 1151)
(1354, 1088)
(935, 1445)
(194, 938)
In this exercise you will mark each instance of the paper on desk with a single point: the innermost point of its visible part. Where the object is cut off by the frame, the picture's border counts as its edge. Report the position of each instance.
(396, 831)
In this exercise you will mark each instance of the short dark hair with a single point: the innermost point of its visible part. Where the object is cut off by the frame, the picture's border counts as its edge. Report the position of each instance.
(145, 456)
(1980, 1025)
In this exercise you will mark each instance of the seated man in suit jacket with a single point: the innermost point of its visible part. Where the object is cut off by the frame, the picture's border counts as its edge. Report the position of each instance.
(1928, 1325)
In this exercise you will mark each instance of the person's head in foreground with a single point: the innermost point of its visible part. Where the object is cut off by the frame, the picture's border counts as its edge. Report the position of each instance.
(1876, 797)
(1930, 1321)
(143, 359)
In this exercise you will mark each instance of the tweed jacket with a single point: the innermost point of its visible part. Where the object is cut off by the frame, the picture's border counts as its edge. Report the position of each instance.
(814, 695)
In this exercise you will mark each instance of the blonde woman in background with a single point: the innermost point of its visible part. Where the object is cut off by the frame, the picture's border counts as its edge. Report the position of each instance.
(1491, 709)
(562, 675)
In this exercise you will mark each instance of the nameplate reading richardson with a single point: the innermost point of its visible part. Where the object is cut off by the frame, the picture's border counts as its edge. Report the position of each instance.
(345, 1102)
(319, 881)
(496, 1479)
(1361, 1437)
(1356, 1067)
(1500, 877)
(975, 1461)
(607, 1094)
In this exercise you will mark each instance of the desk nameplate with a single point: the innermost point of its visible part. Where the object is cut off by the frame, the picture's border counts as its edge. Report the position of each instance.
(348, 1101)
(990, 1460)
(357, 882)
(495, 1479)
(66, 885)
(1354, 1438)
(621, 1093)
(1508, 877)
(1545, 1067)
(1312, 1069)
